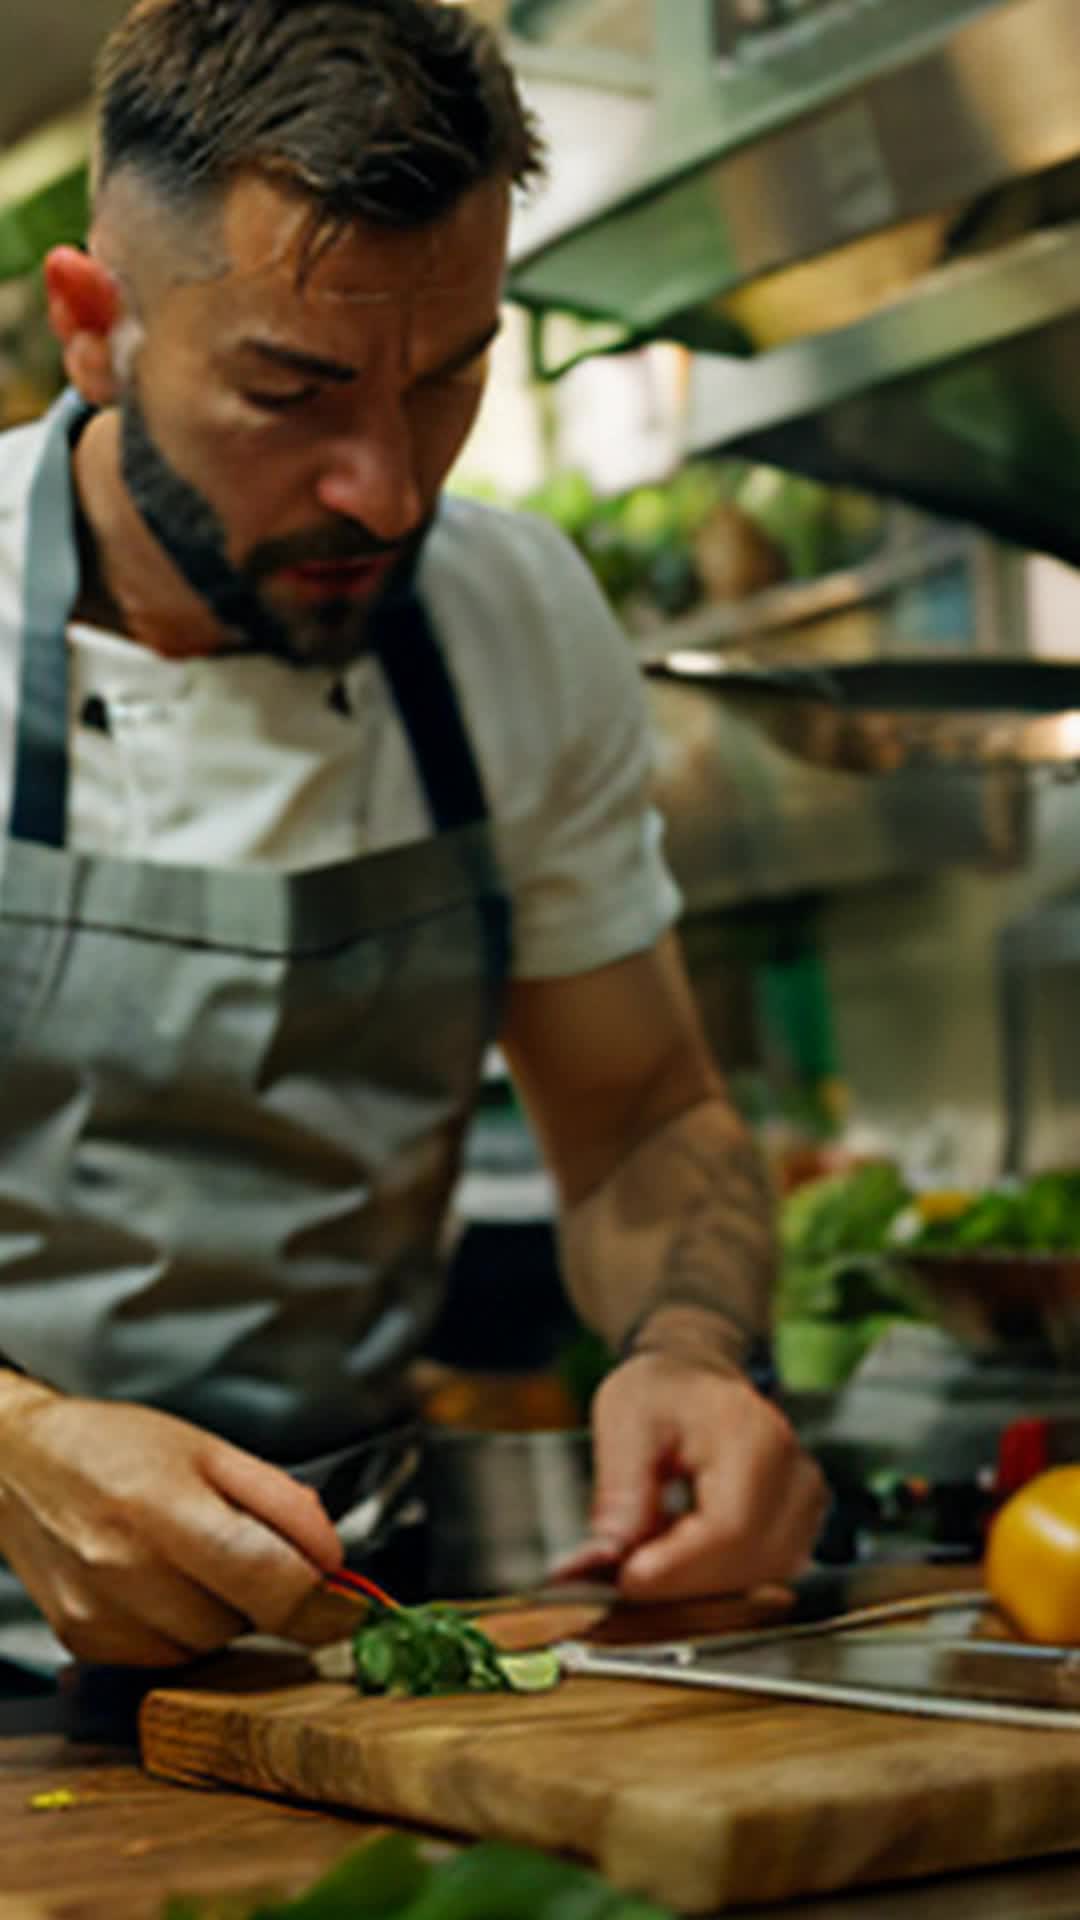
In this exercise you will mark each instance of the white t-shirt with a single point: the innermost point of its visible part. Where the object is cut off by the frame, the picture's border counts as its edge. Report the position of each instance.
(244, 762)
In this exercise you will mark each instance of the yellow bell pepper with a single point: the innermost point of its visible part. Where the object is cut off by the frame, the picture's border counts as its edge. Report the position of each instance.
(1032, 1565)
(943, 1204)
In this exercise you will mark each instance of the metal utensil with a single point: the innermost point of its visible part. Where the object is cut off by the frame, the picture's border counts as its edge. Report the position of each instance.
(878, 716)
(890, 1672)
(363, 1486)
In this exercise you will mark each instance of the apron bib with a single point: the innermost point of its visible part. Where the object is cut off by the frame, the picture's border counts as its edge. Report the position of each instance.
(232, 1103)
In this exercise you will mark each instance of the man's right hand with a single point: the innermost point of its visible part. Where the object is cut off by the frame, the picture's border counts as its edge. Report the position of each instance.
(144, 1541)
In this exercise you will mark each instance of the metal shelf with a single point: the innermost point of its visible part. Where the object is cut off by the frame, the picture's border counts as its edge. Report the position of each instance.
(962, 397)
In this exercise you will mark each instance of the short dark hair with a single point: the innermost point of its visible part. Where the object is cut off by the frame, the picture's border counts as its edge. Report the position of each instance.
(386, 111)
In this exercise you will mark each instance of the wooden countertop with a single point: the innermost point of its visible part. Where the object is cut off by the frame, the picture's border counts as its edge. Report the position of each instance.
(128, 1841)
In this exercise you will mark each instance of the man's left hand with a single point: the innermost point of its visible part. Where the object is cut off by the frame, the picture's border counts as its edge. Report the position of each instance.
(757, 1500)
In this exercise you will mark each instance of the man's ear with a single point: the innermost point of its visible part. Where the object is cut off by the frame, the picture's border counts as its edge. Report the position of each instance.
(85, 307)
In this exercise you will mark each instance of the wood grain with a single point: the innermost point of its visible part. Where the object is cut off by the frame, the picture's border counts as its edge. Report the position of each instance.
(701, 1801)
(128, 1841)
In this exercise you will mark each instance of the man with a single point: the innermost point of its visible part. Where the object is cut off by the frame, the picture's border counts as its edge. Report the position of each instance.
(317, 785)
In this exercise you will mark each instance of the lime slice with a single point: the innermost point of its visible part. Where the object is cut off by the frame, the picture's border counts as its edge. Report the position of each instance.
(530, 1672)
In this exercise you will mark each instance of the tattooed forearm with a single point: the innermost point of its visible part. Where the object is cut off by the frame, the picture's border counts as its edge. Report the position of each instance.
(680, 1233)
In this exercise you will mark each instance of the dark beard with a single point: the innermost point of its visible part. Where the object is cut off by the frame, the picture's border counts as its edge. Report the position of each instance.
(332, 634)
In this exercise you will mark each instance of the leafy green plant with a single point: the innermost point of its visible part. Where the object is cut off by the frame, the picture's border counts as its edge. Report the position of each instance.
(1040, 1216)
(842, 1213)
(56, 214)
(839, 1291)
(44, 194)
(388, 1879)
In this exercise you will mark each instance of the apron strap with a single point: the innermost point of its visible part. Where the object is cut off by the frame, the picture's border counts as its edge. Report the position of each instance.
(428, 705)
(39, 803)
(408, 651)
(426, 699)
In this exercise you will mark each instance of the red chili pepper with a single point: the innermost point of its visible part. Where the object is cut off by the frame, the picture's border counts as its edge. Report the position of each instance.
(346, 1582)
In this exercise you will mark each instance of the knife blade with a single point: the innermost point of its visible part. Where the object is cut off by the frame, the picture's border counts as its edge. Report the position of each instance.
(891, 1672)
(516, 1622)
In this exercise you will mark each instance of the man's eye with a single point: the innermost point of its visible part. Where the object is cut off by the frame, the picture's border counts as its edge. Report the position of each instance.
(281, 402)
(473, 372)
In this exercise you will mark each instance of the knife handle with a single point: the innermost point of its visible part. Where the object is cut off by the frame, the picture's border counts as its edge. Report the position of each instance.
(325, 1614)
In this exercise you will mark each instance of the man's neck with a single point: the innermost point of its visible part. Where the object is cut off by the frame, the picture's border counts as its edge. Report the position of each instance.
(128, 582)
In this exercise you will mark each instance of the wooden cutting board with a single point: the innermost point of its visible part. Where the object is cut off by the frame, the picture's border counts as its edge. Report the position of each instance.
(701, 1800)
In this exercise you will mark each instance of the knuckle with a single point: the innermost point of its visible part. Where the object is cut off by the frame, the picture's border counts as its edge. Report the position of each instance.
(785, 1440)
(274, 1583)
(81, 1641)
(210, 1636)
(74, 1620)
(277, 1605)
(113, 1550)
(821, 1494)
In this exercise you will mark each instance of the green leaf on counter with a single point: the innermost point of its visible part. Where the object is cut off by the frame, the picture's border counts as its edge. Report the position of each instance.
(388, 1879)
(384, 1877)
(498, 1882)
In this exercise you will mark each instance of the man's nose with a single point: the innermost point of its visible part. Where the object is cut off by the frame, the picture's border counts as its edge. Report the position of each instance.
(370, 476)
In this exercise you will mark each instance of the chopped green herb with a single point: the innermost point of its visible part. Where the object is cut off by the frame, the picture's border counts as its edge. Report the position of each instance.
(414, 1651)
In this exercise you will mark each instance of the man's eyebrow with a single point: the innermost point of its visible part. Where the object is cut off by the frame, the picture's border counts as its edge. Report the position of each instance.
(466, 354)
(296, 361)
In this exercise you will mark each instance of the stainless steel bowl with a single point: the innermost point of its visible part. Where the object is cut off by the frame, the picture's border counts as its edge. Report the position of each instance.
(501, 1507)
(1026, 1305)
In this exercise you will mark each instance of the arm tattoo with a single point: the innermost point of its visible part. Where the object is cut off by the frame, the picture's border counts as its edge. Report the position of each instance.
(685, 1221)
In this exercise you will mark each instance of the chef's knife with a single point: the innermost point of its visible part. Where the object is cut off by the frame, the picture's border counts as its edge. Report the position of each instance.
(891, 1672)
(517, 1622)
(369, 1490)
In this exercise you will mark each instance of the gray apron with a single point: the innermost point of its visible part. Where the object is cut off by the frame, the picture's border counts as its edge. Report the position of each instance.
(232, 1103)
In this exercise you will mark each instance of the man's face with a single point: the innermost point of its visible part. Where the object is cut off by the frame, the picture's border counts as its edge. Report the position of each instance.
(287, 438)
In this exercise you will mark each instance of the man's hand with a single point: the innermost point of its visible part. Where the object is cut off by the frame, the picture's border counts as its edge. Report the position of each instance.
(144, 1541)
(758, 1501)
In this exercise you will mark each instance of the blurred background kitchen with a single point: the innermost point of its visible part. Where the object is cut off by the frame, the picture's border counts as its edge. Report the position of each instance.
(792, 352)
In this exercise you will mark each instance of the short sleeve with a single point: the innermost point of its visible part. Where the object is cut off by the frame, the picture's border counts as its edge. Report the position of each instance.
(595, 887)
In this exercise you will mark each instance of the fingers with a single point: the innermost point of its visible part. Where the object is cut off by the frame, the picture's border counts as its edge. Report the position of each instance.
(292, 1511)
(731, 1545)
(242, 1563)
(758, 1501)
(631, 1445)
(118, 1640)
(595, 1558)
(113, 1604)
(130, 1528)
(248, 1535)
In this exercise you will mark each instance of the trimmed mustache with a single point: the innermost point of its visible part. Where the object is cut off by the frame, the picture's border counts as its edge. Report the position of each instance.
(342, 546)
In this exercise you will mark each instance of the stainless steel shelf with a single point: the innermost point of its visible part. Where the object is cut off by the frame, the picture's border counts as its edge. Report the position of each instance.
(963, 398)
(890, 115)
(786, 610)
